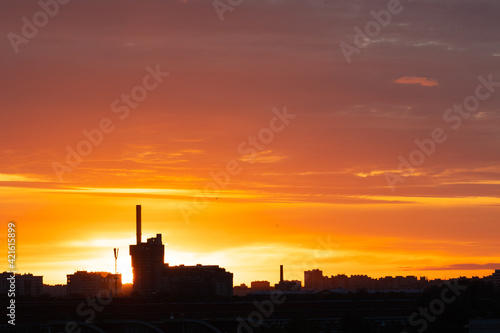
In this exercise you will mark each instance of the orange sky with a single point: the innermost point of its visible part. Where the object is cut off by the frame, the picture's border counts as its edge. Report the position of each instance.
(307, 190)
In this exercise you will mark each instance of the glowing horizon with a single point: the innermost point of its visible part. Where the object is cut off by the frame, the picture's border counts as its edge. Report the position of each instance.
(250, 136)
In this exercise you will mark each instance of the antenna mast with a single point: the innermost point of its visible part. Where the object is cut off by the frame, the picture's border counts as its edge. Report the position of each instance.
(115, 251)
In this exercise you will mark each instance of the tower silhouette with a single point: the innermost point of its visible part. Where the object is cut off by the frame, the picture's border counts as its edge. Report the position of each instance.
(147, 260)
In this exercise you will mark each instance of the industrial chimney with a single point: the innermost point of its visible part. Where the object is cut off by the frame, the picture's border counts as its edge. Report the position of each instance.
(281, 273)
(138, 223)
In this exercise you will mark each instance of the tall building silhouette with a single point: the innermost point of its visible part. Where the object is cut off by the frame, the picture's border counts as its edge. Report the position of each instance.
(153, 276)
(147, 260)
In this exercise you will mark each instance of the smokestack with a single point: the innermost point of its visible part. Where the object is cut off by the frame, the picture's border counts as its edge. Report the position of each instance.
(281, 273)
(138, 223)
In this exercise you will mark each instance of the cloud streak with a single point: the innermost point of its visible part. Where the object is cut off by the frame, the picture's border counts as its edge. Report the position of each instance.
(422, 81)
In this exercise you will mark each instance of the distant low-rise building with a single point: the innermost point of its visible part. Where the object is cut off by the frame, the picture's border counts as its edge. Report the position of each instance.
(199, 280)
(26, 284)
(29, 285)
(241, 290)
(339, 281)
(58, 290)
(314, 280)
(357, 282)
(260, 286)
(496, 277)
(90, 284)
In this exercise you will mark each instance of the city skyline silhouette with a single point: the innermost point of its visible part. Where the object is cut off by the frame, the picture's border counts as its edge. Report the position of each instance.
(352, 143)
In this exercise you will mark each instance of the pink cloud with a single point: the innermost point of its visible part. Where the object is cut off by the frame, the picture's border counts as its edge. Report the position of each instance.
(423, 81)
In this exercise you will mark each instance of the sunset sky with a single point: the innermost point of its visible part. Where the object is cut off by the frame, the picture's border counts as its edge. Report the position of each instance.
(312, 147)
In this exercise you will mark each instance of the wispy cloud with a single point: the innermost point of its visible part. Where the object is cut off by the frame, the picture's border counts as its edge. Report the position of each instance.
(462, 267)
(423, 81)
(266, 156)
(19, 178)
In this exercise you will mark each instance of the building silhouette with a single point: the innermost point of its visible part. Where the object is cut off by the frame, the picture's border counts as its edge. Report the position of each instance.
(153, 276)
(260, 286)
(147, 260)
(58, 290)
(92, 284)
(496, 277)
(284, 285)
(26, 284)
(314, 280)
(199, 280)
(241, 290)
